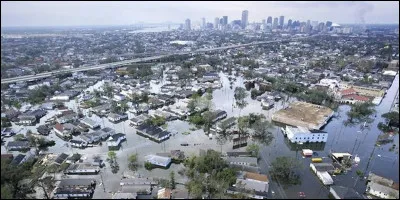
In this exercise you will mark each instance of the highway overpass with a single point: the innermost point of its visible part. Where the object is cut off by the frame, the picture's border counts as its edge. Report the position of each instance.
(127, 62)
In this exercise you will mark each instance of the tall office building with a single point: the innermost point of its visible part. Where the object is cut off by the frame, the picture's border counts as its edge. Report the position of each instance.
(314, 23)
(328, 24)
(289, 23)
(187, 24)
(308, 23)
(263, 22)
(275, 24)
(269, 20)
(216, 22)
(225, 20)
(245, 18)
(281, 21)
(203, 25)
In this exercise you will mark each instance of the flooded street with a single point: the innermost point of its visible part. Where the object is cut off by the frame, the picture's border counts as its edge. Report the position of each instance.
(341, 139)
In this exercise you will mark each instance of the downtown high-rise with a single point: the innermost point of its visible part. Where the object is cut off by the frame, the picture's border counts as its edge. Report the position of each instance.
(245, 18)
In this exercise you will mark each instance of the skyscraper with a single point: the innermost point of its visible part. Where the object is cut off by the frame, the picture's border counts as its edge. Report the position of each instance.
(275, 24)
(187, 24)
(269, 20)
(225, 20)
(328, 24)
(263, 22)
(245, 18)
(216, 22)
(289, 23)
(203, 25)
(281, 21)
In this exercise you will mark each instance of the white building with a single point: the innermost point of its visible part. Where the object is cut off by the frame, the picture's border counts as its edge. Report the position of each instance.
(254, 181)
(158, 160)
(119, 97)
(382, 187)
(115, 140)
(302, 135)
(331, 83)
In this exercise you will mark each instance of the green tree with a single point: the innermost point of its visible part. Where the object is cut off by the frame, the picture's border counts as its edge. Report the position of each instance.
(360, 112)
(253, 149)
(157, 121)
(208, 120)
(392, 118)
(19, 137)
(240, 95)
(148, 165)
(132, 162)
(112, 155)
(172, 180)
(261, 132)
(284, 169)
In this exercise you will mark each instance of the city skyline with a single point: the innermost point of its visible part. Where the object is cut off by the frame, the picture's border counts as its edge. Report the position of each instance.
(126, 13)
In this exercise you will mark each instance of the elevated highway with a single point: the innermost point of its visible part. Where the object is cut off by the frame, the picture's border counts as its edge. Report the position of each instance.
(136, 60)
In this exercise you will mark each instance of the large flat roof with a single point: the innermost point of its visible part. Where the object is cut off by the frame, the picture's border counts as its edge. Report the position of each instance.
(304, 114)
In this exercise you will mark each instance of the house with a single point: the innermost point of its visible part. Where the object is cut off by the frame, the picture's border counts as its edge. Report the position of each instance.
(153, 132)
(48, 106)
(226, 123)
(137, 185)
(253, 182)
(158, 160)
(341, 157)
(136, 121)
(119, 97)
(61, 158)
(108, 130)
(82, 169)
(27, 120)
(218, 115)
(102, 110)
(66, 96)
(138, 189)
(174, 154)
(91, 123)
(113, 117)
(77, 143)
(62, 131)
(124, 195)
(322, 170)
(102, 134)
(353, 98)
(7, 132)
(382, 187)
(302, 135)
(43, 130)
(164, 193)
(17, 145)
(67, 116)
(89, 138)
(238, 154)
(341, 192)
(115, 140)
(242, 161)
(75, 188)
(138, 181)
(19, 159)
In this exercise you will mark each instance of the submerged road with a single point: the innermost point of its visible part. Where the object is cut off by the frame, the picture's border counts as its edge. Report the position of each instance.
(136, 60)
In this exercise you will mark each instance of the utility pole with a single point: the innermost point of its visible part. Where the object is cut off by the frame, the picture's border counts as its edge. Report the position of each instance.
(101, 176)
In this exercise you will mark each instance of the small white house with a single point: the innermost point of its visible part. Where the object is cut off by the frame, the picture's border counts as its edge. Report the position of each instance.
(60, 97)
(302, 135)
(119, 97)
(115, 140)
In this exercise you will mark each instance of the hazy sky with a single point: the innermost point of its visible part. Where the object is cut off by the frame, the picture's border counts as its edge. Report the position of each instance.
(125, 13)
